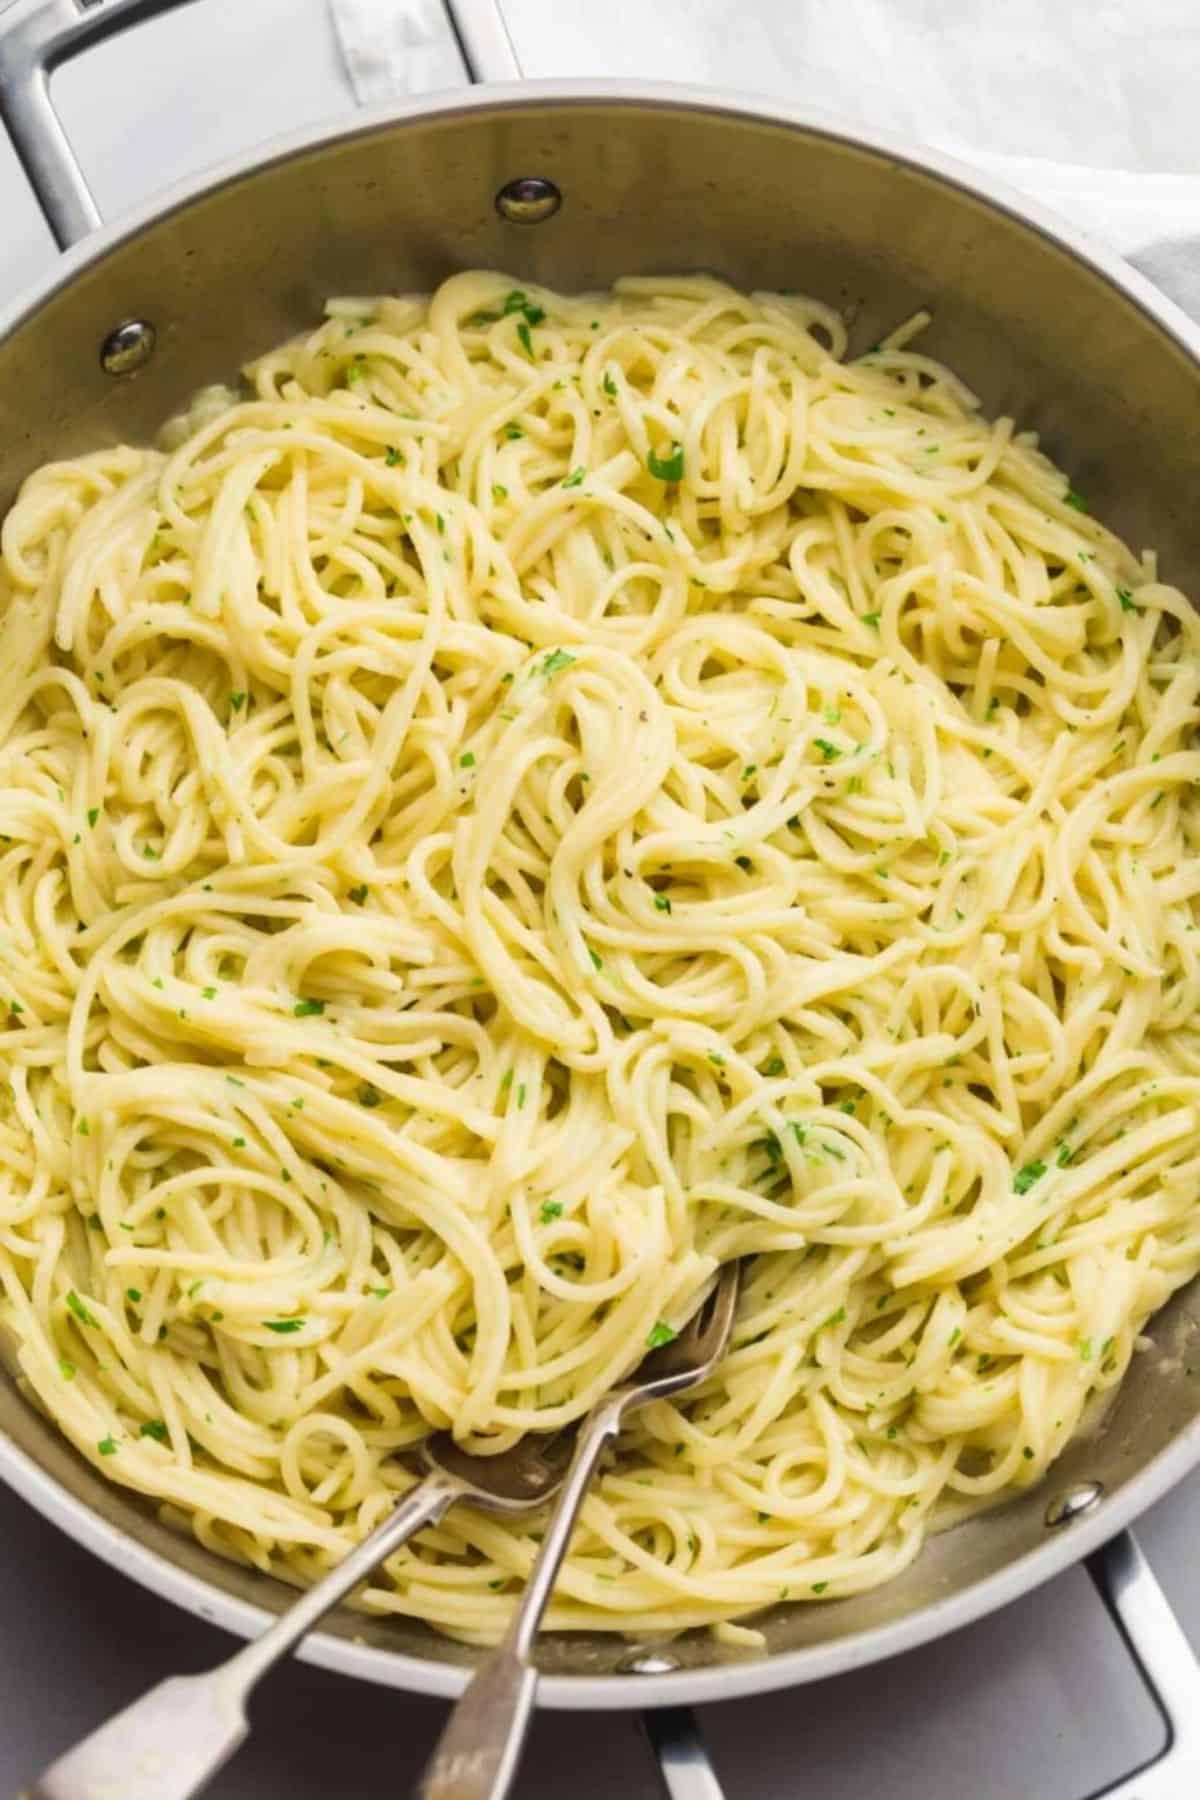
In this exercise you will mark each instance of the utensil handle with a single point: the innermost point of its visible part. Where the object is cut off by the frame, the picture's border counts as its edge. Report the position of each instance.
(1152, 1634)
(683, 1760)
(477, 1754)
(36, 36)
(483, 40)
(423, 1505)
(1165, 1661)
(169, 1744)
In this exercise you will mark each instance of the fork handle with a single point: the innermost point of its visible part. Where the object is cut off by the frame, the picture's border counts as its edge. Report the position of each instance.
(477, 1754)
(169, 1744)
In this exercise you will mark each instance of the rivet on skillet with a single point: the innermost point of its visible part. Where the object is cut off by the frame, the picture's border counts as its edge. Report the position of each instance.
(648, 1662)
(128, 348)
(1073, 1502)
(528, 200)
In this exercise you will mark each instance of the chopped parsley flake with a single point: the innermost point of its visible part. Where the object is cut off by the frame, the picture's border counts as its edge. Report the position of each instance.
(551, 1209)
(284, 1326)
(554, 660)
(575, 478)
(519, 301)
(669, 467)
(107, 1446)
(75, 1305)
(154, 1428)
(661, 1334)
(308, 1009)
(1024, 1178)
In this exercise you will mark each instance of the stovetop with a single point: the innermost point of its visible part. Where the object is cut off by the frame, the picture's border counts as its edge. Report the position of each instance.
(1038, 1702)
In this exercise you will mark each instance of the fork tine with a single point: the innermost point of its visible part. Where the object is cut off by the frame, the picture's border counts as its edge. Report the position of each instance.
(713, 1315)
(725, 1299)
(533, 1470)
(703, 1339)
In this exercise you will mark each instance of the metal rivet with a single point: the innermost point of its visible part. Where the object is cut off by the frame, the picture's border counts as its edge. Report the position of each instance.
(528, 199)
(648, 1662)
(128, 348)
(1074, 1501)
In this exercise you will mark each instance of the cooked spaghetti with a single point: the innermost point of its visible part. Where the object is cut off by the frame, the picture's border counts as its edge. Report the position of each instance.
(535, 798)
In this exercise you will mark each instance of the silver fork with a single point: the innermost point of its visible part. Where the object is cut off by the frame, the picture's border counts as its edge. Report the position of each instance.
(169, 1744)
(477, 1754)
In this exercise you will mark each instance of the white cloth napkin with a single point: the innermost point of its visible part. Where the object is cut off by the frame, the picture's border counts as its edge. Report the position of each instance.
(395, 47)
(1089, 105)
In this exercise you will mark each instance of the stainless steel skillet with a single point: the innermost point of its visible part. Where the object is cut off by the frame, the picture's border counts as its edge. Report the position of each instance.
(574, 184)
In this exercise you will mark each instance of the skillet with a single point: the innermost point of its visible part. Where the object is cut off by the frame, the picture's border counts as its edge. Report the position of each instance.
(572, 184)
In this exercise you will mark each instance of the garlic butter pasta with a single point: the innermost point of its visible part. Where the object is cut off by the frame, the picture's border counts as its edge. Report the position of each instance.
(529, 799)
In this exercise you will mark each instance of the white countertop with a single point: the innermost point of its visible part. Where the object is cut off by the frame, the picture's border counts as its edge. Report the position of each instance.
(1036, 1703)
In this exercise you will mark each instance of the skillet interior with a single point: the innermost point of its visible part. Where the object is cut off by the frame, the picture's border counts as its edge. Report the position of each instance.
(652, 181)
